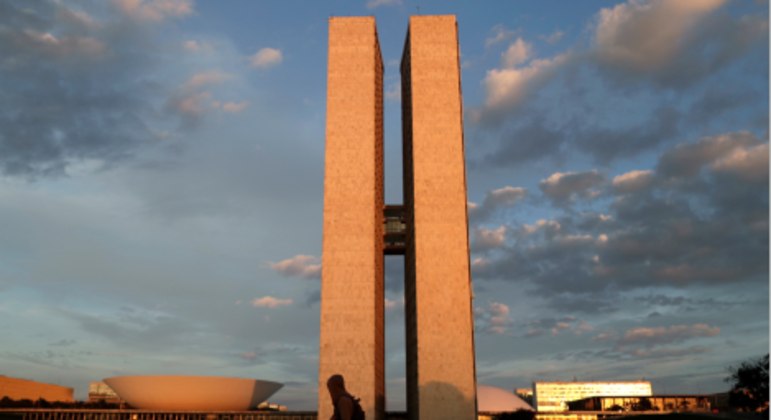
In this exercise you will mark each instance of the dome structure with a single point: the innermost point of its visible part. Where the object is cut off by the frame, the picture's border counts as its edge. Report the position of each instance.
(496, 400)
(192, 393)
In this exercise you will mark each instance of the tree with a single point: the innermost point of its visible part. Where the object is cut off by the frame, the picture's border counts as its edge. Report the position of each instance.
(750, 385)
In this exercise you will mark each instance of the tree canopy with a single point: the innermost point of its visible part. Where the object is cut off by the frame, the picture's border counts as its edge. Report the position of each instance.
(750, 385)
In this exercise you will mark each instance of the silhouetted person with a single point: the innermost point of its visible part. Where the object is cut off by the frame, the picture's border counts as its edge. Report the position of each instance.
(346, 406)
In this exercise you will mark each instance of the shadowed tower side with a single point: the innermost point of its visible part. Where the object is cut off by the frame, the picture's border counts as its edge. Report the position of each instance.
(441, 378)
(352, 318)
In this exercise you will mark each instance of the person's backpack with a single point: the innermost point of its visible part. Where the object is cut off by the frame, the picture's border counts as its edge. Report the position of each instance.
(358, 412)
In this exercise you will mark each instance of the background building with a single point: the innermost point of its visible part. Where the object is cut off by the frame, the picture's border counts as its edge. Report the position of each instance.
(100, 392)
(554, 396)
(664, 403)
(20, 389)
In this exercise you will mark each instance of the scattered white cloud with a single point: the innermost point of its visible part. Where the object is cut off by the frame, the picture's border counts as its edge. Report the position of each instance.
(507, 87)
(687, 160)
(393, 303)
(499, 34)
(665, 335)
(495, 200)
(485, 239)
(552, 38)
(270, 302)
(305, 266)
(206, 78)
(155, 10)
(747, 163)
(266, 58)
(494, 318)
(479, 263)
(394, 91)
(65, 45)
(372, 4)
(648, 35)
(194, 46)
(551, 226)
(565, 187)
(633, 181)
(518, 52)
(189, 104)
(231, 107)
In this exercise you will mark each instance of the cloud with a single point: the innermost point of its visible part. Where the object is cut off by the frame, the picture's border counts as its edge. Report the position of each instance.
(486, 239)
(606, 144)
(372, 4)
(672, 43)
(305, 266)
(393, 304)
(687, 160)
(494, 318)
(206, 78)
(195, 46)
(496, 200)
(88, 93)
(507, 87)
(651, 336)
(270, 302)
(63, 45)
(647, 36)
(499, 34)
(698, 41)
(533, 140)
(550, 226)
(231, 107)
(552, 38)
(193, 98)
(633, 181)
(107, 81)
(749, 164)
(562, 188)
(394, 91)
(518, 53)
(690, 221)
(155, 10)
(266, 58)
(554, 326)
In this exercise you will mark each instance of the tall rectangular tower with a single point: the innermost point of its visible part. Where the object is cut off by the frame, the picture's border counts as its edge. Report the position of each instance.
(441, 377)
(352, 329)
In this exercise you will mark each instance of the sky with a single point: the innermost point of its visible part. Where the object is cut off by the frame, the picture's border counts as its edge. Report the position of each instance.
(161, 188)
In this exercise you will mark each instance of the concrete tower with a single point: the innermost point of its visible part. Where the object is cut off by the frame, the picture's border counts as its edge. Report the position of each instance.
(441, 378)
(352, 330)
(430, 229)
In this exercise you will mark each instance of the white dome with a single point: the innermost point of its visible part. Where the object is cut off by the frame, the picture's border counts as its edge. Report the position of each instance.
(192, 393)
(497, 400)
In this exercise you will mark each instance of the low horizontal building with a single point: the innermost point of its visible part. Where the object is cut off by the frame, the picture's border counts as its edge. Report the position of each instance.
(25, 389)
(662, 403)
(554, 396)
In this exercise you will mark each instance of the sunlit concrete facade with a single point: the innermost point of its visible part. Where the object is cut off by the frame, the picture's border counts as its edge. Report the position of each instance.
(21, 389)
(554, 396)
(352, 330)
(441, 379)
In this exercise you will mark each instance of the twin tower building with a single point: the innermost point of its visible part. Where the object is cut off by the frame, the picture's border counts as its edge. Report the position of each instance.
(430, 229)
